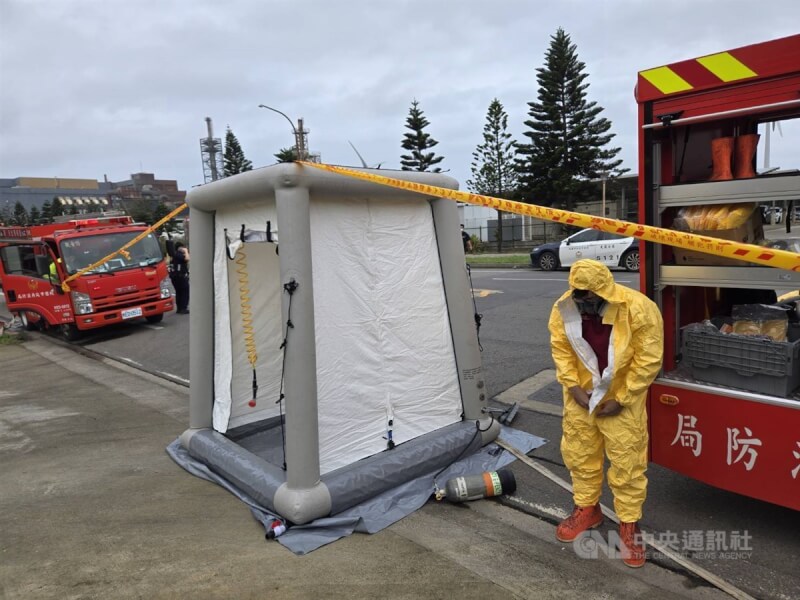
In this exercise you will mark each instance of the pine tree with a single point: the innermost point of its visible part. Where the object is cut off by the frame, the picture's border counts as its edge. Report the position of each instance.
(34, 217)
(141, 210)
(493, 167)
(286, 155)
(6, 216)
(418, 142)
(47, 212)
(159, 213)
(56, 208)
(234, 159)
(568, 138)
(20, 214)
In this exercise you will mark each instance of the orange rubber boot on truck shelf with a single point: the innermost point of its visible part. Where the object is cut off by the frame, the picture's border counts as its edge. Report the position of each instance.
(632, 545)
(581, 519)
(743, 159)
(721, 154)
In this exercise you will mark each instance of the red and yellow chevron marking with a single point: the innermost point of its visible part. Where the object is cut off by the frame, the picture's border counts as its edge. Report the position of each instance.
(751, 253)
(768, 59)
(681, 77)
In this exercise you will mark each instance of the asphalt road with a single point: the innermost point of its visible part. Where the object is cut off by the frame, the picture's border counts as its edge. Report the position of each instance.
(515, 305)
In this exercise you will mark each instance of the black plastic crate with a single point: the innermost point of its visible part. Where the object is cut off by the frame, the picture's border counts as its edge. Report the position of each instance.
(743, 362)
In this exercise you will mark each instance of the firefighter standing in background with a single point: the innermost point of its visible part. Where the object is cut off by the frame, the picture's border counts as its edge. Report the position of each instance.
(607, 344)
(466, 240)
(179, 274)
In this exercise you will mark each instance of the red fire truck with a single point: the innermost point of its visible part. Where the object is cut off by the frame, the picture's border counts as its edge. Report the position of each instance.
(35, 260)
(726, 408)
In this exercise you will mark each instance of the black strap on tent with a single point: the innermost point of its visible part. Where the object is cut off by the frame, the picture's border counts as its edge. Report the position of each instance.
(251, 236)
(389, 437)
(227, 244)
(478, 316)
(290, 288)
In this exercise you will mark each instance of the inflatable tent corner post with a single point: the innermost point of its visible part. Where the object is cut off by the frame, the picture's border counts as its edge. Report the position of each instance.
(299, 491)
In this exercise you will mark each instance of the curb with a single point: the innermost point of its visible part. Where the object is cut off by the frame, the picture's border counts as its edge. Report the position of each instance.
(107, 358)
(498, 266)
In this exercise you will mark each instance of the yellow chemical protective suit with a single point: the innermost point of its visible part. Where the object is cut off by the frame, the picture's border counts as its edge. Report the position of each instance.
(634, 359)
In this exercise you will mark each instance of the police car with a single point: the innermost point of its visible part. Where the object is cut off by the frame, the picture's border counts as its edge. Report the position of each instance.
(610, 249)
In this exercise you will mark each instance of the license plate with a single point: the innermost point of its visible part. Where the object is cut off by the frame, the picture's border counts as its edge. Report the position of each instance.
(131, 313)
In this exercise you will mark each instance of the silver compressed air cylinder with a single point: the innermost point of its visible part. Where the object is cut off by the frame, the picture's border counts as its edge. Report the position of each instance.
(485, 485)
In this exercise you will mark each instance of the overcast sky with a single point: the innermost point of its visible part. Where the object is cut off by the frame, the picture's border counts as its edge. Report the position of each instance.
(94, 87)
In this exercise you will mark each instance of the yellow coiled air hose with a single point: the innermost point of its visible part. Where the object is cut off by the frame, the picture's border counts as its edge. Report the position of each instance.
(247, 317)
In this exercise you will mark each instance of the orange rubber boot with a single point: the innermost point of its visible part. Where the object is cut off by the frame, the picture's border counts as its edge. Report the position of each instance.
(721, 154)
(581, 519)
(632, 549)
(743, 159)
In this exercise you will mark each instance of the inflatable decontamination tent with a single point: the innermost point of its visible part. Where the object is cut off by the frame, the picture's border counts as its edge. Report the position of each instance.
(334, 352)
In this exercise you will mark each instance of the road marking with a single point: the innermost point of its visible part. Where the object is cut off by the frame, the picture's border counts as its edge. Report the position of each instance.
(483, 293)
(156, 327)
(521, 393)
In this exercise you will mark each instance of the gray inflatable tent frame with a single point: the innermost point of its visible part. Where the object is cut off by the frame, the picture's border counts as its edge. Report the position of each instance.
(298, 493)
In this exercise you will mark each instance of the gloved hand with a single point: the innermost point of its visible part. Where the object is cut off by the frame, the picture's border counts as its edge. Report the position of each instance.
(609, 408)
(580, 396)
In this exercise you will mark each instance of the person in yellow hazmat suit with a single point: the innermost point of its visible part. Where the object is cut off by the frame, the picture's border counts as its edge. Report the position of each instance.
(607, 344)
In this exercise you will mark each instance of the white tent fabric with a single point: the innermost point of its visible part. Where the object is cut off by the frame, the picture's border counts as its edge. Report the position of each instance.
(384, 349)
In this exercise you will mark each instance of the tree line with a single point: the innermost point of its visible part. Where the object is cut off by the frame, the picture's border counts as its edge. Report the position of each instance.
(566, 147)
(141, 212)
(19, 215)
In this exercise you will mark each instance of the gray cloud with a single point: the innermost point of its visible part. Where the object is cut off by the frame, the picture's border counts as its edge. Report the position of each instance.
(93, 87)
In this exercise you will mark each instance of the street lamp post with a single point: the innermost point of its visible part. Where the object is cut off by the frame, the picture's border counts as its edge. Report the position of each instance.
(299, 133)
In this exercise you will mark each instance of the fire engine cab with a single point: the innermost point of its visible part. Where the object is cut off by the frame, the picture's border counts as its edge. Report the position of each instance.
(726, 408)
(35, 260)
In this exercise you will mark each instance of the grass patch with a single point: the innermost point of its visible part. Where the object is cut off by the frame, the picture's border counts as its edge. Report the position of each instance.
(504, 259)
(8, 340)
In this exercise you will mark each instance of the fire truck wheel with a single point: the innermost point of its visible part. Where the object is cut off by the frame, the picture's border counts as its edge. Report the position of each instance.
(155, 318)
(29, 325)
(70, 332)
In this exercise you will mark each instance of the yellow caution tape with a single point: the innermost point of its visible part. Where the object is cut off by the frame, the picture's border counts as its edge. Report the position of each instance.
(65, 284)
(769, 257)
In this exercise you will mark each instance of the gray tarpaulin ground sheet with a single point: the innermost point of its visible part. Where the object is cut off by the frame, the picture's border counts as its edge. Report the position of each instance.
(378, 512)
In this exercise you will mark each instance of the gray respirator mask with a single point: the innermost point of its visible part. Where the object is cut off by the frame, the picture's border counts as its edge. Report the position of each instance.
(588, 306)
